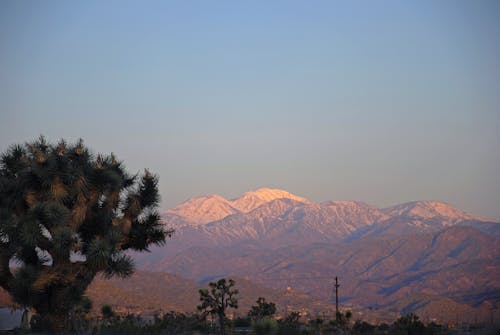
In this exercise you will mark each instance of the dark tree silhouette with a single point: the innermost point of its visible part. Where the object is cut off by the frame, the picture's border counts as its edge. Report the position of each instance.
(262, 309)
(215, 301)
(408, 324)
(290, 325)
(65, 216)
(107, 312)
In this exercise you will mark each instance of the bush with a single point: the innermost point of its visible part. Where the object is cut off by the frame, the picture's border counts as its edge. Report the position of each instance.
(408, 324)
(242, 322)
(363, 327)
(290, 325)
(170, 324)
(265, 326)
(107, 312)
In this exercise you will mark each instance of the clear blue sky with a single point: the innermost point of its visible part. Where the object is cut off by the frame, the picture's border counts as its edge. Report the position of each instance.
(379, 101)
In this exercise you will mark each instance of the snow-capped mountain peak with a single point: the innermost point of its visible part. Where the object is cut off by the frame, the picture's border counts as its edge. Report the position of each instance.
(253, 199)
(429, 210)
(204, 209)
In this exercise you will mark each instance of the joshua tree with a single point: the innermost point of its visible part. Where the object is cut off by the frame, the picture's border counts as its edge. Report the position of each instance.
(262, 309)
(65, 216)
(220, 297)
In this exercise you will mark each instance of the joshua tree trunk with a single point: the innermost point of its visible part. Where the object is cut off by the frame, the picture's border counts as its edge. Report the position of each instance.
(51, 318)
(222, 318)
(56, 305)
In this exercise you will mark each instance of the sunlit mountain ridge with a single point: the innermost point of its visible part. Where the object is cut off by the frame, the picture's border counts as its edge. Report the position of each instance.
(280, 218)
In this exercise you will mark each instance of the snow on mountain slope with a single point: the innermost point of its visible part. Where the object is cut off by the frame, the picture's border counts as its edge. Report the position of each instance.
(423, 217)
(201, 210)
(253, 225)
(355, 213)
(282, 222)
(279, 217)
(209, 208)
(253, 199)
(430, 210)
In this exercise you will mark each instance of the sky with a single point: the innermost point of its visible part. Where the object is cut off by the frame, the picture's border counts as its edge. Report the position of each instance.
(379, 101)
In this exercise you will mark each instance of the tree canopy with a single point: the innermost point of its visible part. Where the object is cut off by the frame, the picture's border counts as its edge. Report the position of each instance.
(65, 216)
(215, 301)
(262, 309)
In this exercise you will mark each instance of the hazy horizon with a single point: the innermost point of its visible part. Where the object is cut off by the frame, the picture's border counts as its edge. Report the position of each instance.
(327, 100)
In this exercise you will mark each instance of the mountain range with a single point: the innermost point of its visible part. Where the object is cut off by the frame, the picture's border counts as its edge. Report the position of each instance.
(423, 256)
(277, 218)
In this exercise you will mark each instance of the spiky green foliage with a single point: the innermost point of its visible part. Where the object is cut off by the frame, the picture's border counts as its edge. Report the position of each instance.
(262, 309)
(65, 216)
(217, 299)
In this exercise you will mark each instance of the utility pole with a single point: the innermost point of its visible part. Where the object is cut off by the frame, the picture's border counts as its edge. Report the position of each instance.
(337, 299)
